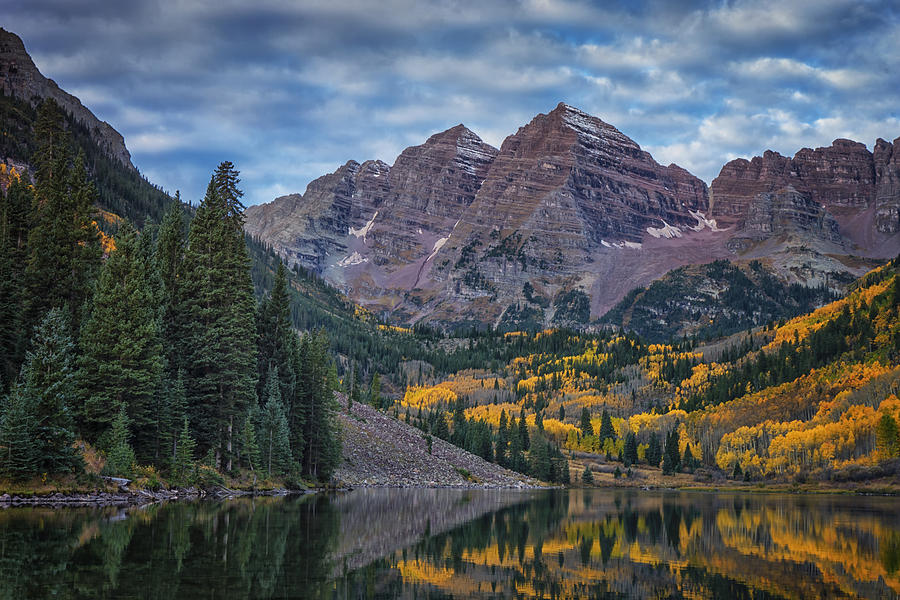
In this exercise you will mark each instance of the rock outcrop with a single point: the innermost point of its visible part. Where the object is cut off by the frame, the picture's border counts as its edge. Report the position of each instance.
(19, 77)
(568, 216)
(858, 188)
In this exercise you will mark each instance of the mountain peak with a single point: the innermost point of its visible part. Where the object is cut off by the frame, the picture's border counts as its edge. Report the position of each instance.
(20, 78)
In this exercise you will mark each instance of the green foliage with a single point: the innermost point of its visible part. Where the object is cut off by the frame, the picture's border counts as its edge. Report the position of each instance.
(64, 244)
(587, 476)
(586, 427)
(37, 420)
(753, 295)
(888, 437)
(183, 463)
(274, 432)
(573, 306)
(654, 451)
(15, 217)
(607, 431)
(121, 351)
(217, 302)
(630, 453)
(671, 461)
(250, 452)
(120, 458)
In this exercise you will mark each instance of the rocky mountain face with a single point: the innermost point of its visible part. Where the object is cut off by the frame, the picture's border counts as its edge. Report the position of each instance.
(856, 187)
(568, 216)
(20, 78)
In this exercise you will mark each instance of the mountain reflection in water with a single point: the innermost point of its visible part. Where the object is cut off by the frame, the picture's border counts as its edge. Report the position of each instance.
(432, 543)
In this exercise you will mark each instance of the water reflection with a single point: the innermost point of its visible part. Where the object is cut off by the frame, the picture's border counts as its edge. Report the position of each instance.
(461, 544)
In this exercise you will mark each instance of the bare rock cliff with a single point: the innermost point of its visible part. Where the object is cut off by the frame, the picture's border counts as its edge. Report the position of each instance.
(19, 77)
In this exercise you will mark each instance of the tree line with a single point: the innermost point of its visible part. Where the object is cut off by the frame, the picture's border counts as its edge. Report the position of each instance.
(158, 353)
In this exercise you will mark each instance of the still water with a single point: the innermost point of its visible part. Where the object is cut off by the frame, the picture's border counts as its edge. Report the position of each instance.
(460, 544)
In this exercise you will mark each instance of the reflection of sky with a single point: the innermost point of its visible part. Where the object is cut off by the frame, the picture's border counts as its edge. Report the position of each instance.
(290, 90)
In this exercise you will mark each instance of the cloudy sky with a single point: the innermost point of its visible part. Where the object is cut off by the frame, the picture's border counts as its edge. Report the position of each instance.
(291, 89)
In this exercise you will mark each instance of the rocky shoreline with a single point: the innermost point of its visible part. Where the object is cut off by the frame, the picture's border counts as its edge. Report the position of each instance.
(125, 497)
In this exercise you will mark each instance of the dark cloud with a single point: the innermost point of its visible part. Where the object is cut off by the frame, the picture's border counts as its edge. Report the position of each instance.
(289, 90)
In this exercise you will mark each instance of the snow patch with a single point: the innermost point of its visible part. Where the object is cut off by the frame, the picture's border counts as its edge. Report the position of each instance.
(666, 231)
(354, 259)
(702, 222)
(437, 246)
(364, 230)
(620, 245)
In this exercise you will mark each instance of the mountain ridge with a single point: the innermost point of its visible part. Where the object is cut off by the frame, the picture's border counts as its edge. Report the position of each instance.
(571, 205)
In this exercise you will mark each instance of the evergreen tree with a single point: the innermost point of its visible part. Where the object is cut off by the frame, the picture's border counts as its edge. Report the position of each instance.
(18, 451)
(630, 453)
(688, 461)
(122, 356)
(43, 396)
(458, 437)
(607, 431)
(250, 451)
(64, 244)
(887, 437)
(541, 466)
(169, 257)
(671, 461)
(440, 429)
(317, 408)
(275, 434)
(15, 217)
(173, 411)
(523, 431)
(185, 447)
(276, 336)
(586, 427)
(216, 300)
(587, 477)
(375, 390)
(654, 451)
(500, 449)
(120, 458)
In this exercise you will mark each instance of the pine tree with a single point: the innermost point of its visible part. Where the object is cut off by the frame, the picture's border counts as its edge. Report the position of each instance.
(44, 395)
(654, 451)
(120, 458)
(216, 300)
(671, 461)
(688, 461)
(121, 360)
(887, 437)
(607, 431)
(375, 390)
(64, 245)
(169, 258)
(249, 446)
(275, 435)
(586, 427)
(173, 411)
(18, 451)
(500, 450)
(15, 217)
(185, 447)
(630, 452)
(587, 477)
(523, 431)
(273, 324)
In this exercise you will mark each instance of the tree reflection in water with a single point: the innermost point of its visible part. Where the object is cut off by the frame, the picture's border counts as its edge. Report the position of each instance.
(460, 544)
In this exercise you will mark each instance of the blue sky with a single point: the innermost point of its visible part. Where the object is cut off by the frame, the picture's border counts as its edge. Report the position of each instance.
(290, 90)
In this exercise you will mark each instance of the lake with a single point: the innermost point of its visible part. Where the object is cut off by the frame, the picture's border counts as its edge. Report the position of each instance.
(435, 543)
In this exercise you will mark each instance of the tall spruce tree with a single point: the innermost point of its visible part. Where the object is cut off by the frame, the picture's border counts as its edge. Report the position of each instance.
(275, 333)
(275, 436)
(607, 431)
(318, 406)
(121, 360)
(172, 413)
(217, 304)
(64, 244)
(40, 404)
(15, 217)
(169, 256)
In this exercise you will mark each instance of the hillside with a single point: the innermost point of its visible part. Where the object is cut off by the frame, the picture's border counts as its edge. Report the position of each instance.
(813, 396)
